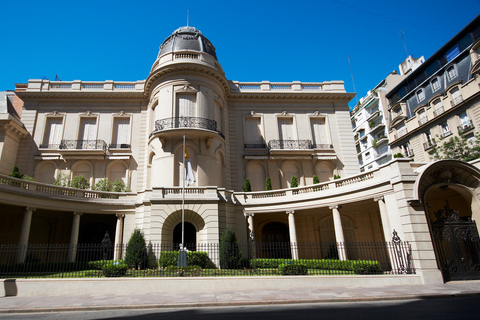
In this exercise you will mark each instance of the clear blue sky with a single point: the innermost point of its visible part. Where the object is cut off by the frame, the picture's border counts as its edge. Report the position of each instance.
(255, 40)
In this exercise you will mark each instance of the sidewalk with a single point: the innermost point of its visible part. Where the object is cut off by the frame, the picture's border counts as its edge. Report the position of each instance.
(235, 298)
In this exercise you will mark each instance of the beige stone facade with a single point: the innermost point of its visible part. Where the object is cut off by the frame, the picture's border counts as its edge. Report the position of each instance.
(133, 132)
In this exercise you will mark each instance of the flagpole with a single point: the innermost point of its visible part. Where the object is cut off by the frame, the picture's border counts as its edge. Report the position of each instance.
(183, 193)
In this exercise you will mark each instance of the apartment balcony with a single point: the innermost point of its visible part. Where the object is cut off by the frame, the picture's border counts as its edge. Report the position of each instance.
(290, 145)
(119, 146)
(422, 120)
(409, 153)
(465, 127)
(177, 125)
(438, 112)
(400, 133)
(457, 100)
(374, 115)
(429, 145)
(376, 127)
(446, 134)
(91, 146)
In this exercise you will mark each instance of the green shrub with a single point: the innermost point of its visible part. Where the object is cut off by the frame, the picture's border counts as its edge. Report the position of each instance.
(230, 254)
(136, 252)
(336, 176)
(119, 186)
(103, 185)
(398, 155)
(80, 182)
(293, 268)
(268, 184)
(98, 265)
(194, 258)
(114, 269)
(294, 182)
(367, 267)
(16, 173)
(62, 180)
(246, 187)
(315, 179)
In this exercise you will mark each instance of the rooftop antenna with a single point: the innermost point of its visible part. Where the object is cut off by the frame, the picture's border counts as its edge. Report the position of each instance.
(401, 32)
(187, 17)
(353, 81)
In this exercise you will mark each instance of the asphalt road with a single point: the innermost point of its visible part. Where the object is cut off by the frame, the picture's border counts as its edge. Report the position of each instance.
(442, 308)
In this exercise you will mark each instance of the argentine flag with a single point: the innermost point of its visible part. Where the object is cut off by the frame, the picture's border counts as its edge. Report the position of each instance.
(189, 177)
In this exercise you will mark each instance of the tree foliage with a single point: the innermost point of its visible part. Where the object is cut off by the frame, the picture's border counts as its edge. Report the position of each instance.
(136, 252)
(315, 179)
(458, 148)
(80, 182)
(230, 254)
(268, 184)
(246, 187)
(294, 182)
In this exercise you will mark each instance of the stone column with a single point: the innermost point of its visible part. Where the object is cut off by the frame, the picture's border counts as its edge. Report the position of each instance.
(387, 231)
(339, 237)
(251, 235)
(293, 234)
(118, 247)
(24, 235)
(72, 252)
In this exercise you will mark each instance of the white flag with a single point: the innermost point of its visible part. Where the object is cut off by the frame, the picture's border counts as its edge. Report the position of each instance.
(189, 177)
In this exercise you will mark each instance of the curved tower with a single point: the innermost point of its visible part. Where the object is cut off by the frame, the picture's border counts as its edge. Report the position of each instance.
(187, 95)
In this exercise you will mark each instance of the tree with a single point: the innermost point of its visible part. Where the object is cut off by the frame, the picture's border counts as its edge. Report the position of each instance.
(16, 173)
(230, 254)
(118, 186)
(136, 252)
(62, 180)
(315, 179)
(458, 148)
(268, 184)
(103, 185)
(246, 186)
(80, 182)
(294, 182)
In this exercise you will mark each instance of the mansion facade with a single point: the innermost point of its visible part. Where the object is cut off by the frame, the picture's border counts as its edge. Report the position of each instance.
(133, 132)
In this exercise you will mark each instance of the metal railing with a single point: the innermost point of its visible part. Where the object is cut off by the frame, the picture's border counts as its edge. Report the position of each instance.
(464, 127)
(186, 122)
(204, 259)
(297, 145)
(119, 146)
(83, 145)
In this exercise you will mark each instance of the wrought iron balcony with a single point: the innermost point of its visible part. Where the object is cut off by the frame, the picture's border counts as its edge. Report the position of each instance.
(429, 145)
(322, 146)
(290, 144)
(83, 145)
(186, 122)
(467, 126)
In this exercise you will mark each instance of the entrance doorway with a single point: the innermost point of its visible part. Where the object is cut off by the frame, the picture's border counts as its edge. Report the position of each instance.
(190, 236)
(276, 241)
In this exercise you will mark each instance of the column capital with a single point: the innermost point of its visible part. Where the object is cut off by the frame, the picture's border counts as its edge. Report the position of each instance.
(248, 214)
(290, 212)
(120, 215)
(335, 206)
(376, 199)
(30, 209)
(76, 213)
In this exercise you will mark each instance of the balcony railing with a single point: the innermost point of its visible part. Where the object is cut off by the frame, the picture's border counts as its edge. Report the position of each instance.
(422, 120)
(409, 153)
(456, 100)
(83, 145)
(438, 112)
(467, 126)
(186, 122)
(429, 145)
(322, 146)
(290, 144)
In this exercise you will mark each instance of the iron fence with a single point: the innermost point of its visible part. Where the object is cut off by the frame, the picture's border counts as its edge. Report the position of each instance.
(205, 259)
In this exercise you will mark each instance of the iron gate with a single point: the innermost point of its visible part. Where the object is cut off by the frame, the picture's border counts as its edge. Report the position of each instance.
(457, 245)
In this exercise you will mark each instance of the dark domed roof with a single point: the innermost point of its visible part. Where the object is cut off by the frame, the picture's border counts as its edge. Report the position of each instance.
(187, 38)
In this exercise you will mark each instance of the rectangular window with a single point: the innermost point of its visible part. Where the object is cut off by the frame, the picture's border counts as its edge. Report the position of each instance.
(445, 129)
(420, 95)
(88, 129)
(121, 133)
(53, 133)
(253, 133)
(435, 84)
(452, 53)
(319, 132)
(285, 126)
(186, 105)
(452, 72)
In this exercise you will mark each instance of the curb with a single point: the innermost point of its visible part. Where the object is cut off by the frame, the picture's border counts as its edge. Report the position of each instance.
(237, 303)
